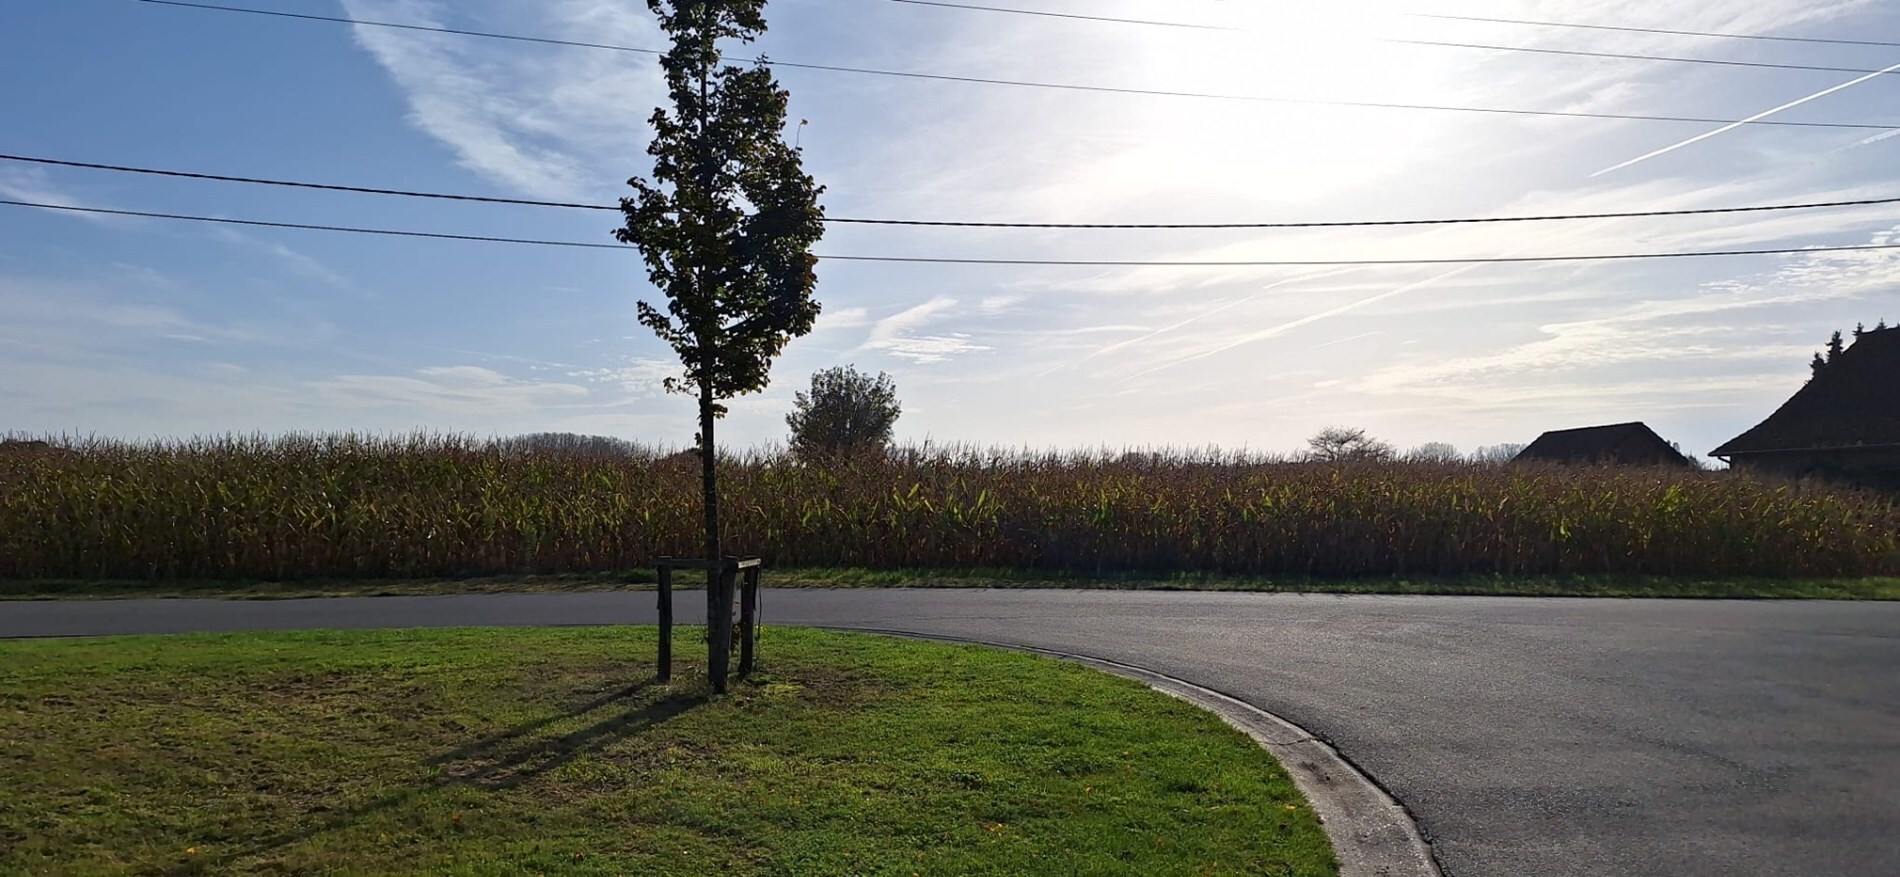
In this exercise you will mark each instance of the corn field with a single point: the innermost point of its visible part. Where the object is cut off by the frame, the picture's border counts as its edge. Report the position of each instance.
(347, 506)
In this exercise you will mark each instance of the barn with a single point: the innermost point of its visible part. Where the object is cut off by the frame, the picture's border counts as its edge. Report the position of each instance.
(1844, 425)
(1629, 444)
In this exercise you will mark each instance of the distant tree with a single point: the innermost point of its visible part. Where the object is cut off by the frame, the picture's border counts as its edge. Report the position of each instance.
(1819, 365)
(1835, 346)
(1881, 326)
(1694, 460)
(726, 227)
(1434, 452)
(1497, 455)
(1342, 444)
(847, 411)
(567, 444)
(1859, 330)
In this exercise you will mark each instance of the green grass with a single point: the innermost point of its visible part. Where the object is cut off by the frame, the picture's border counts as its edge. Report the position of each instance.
(482, 752)
(1748, 588)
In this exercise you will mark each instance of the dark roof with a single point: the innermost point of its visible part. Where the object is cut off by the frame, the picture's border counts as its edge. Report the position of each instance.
(1633, 443)
(1853, 402)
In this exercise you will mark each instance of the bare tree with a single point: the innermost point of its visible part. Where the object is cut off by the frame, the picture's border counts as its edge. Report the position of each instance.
(1342, 444)
(1434, 452)
(1497, 455)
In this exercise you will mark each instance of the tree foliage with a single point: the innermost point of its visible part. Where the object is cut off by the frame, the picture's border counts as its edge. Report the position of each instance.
(726, 224)
(1341, 444)
(846, 412)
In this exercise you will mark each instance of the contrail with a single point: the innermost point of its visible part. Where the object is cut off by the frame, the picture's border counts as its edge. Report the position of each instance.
(1314, 318)
(1352, 306)
(1751, 119)
(1346, 340)
(1201, 316)
(1283, 328)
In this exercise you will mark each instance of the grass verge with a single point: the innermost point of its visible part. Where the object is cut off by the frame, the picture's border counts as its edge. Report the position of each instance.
(479, 752)
(1866, 588)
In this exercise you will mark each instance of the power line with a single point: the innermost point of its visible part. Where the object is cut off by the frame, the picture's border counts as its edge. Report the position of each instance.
(1579, 53)
(307, 227)
(958, 261)
(1656, 30)
(1637, 56)
(1440, 17)
(332, 187)
(1047, 14)
(431, 29)
(1096, 89)
(1373, 223)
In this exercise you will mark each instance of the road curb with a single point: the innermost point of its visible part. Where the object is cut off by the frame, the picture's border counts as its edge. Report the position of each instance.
(1371, 832)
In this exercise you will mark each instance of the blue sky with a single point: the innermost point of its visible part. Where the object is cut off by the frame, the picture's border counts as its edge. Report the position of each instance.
(139, 327)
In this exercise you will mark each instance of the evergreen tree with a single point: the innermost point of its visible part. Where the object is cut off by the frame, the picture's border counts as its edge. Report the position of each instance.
(1834, 346)
(1818, 365)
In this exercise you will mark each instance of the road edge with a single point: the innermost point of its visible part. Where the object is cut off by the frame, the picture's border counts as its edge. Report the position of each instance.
(1372, 834)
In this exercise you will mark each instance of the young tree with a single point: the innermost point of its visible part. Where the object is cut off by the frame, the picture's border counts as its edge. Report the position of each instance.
(1834, 346)
(1819, 365)
(1339, 444)
(726, 227)
(847, 411)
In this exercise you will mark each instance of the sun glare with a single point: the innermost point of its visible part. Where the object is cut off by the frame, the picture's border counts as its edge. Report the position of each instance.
(1305, 146)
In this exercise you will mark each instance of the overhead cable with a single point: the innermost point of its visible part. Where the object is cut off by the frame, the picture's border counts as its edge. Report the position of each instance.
(1097, 89)
(1362, 223)
(944, 260)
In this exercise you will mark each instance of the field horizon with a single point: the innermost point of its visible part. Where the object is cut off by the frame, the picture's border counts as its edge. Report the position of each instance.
(306, 507)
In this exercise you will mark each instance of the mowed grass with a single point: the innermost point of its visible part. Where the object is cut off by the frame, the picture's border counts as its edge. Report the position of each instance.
(484, 752)
(340, 507)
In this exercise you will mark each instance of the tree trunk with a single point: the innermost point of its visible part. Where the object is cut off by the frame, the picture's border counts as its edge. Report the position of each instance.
(718, 597)
(718, 578)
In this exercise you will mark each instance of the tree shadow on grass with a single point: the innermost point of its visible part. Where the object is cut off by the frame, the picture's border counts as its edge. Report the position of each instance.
(498, 762)
(508, 759)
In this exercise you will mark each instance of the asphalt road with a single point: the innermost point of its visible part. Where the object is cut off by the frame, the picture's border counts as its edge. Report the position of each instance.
(1528, 737)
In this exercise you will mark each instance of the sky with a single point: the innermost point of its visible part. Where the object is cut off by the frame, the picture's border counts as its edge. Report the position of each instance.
(138, 328)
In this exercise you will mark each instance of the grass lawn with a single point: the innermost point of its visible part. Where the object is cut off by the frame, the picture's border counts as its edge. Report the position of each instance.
(1868, 588)
(475, 751)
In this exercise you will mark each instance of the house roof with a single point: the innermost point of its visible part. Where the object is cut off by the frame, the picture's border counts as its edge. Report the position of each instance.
(1853, 402)
(1614, 443)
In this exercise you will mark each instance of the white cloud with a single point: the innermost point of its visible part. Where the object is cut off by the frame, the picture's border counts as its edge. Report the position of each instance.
(930, 348)
(446, 390)
(299, 263)
(639, 377)
(33, 186)
(896, 334)
(545, 121)
(995, 305)
(1658, 335)
(841, 318)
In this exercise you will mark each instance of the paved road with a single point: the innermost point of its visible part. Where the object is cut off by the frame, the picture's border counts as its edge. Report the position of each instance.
(1529, 737)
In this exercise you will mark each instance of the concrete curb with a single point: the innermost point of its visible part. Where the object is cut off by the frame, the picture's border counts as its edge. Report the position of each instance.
(1371, 833)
